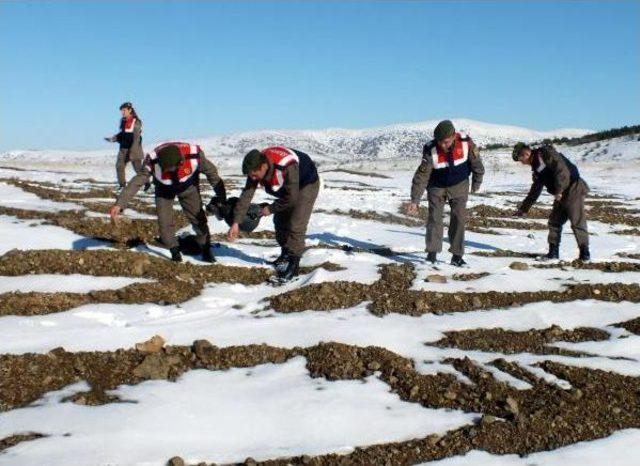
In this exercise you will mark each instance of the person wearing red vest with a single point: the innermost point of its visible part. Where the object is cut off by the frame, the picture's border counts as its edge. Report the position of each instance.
(552, 170)
(175, 168)
(447, 163)
(291, 176)
(130, 139)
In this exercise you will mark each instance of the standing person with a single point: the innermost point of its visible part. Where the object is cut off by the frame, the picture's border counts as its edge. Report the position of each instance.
(291, 177)
(447, 163)
(552, 170)
(175, 168)
(130, 140)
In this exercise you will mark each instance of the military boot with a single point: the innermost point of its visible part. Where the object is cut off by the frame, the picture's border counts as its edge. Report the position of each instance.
(432, 257)
(291, 270)
(207, 254)
(176, 255)
(585, 255)
(554, 251)
(282, 259)
(458, 261)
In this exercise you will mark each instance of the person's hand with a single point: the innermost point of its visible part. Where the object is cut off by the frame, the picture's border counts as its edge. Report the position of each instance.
(412, 208)
(233, 233)
(265, 211)
(114, 212)
(558, 197)
(519, 213)
(110, 139)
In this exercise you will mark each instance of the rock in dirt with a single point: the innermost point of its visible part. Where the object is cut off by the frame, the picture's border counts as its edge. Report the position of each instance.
(152, 345)
(201, 348)
(176, 461)
(519, 266)
(154, 366)
(512, 406)
(140, 265)
(435, 278)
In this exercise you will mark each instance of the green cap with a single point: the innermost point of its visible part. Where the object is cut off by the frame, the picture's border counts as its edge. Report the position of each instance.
(444, 129)
(517, 149)
(169, 157)
(251, 161)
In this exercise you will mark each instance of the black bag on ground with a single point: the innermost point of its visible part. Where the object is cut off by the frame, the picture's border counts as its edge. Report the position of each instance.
(223, 210)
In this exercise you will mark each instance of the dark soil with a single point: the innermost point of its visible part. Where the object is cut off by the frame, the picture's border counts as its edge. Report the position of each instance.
(510, 342)
(514, 421)
(174, 283)
(465, 277)
(629, 255)
(506, 253)
(604, 266)
(391, 293)
(598, 212)
(375, 216)
(628, 231)
(632, 325)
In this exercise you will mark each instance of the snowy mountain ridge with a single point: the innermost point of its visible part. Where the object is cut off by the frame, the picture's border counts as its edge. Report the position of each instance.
(335, 144)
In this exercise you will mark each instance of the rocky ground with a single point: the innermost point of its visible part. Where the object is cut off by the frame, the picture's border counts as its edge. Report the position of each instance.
(594, 402)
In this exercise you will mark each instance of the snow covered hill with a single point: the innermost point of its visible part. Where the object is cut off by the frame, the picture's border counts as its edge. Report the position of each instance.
(329, 145)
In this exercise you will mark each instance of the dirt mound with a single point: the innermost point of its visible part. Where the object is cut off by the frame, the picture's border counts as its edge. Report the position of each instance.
(13, 440)
(484, 210)
(465, 277)
(604, 266)
(514, 421)
(375, 216)
(391, 293)
(509, 342)
(632, 325)
(629, 255)
(128, 232)
(173, 283)
(628, 231)
(600, 211)
(506, 253)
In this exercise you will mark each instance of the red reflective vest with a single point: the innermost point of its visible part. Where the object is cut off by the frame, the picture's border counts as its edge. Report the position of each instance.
(280, 157)
(187, 169)
(460, 152)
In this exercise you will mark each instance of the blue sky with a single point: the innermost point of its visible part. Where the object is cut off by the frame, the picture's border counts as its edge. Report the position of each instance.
(203, 68)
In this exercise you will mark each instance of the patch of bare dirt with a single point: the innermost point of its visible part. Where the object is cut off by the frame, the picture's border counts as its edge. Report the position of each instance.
(613, 267)
(629, 255)
(481, 219)
(13, 440)
(510, 342)
(632, 325)
(600, 212)
(173, 282)
(627, 231)
(484, 210)
(375, 216)
(328, 266)
(465, 277)
(506, 253)
(126, 233)
(513, 421)
(391, 293)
